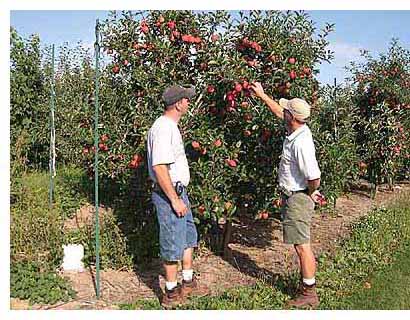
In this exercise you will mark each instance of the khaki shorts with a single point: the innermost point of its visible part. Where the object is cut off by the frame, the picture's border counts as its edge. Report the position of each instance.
(297, 213)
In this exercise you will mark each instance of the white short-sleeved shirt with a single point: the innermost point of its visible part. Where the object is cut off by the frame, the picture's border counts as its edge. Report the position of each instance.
(298, 163)
(165, 146)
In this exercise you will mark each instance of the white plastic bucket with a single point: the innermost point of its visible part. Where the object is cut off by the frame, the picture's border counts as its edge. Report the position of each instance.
(73, 255)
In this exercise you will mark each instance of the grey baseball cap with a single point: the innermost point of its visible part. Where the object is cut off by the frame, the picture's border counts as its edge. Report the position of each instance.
(175, 93)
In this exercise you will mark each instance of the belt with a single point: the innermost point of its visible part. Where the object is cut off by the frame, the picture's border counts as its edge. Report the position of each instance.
(179, 188)
(288, 193)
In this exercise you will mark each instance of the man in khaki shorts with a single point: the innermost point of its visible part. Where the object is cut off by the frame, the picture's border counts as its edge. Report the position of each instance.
(299, 179)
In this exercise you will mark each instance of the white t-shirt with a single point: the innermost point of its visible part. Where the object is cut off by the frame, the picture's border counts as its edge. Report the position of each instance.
(298, 163)
(165, 146)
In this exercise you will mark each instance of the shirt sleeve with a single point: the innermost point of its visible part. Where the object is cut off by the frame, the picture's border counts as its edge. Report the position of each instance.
(162, 152)
(306, 160)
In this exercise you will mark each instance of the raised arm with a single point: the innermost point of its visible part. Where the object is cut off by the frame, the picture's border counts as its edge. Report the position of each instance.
(272, 104)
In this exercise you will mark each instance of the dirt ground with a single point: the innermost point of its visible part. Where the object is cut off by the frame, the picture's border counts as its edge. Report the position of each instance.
(257, 251)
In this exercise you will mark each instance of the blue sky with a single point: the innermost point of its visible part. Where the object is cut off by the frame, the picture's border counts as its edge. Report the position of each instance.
(354, 30)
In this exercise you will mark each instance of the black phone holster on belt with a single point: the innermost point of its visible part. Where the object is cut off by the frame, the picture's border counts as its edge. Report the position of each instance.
(179, 188)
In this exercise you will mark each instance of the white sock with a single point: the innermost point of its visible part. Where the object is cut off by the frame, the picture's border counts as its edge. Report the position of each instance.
(309, 282)
(187, 274)
(171, 285)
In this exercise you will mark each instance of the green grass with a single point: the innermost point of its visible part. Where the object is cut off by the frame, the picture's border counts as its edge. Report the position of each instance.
(376, 248)
(36, 230)
(374, 253)
(37, 234)
(28, 281)
(389, 288)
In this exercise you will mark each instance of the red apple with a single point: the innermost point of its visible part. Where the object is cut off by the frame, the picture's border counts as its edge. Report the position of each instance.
(252, 63)
(196, 145)
(171, 25)
(203, 66)
(218, 143)
(144, 28)
(210, 89)
(238, 87)
(214, 37)
(230, 96)
(292, 60)
(244, 104)
(256, 47)
(228, 108)
(201, 209)
(362, 165)
(293, 74)
(273, 58)
(232, 104)
(116, 69)
(231, 163)
(104, 138)
(277, 203)
(133, 164)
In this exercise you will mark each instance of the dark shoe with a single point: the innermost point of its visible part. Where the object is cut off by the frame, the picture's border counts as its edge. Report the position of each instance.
(191, 288)
(172, 298)
(307, 297)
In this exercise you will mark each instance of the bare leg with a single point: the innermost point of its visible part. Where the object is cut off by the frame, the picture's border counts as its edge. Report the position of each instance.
(307, 260)
(187, 259)
(171, 269)
(307, 295)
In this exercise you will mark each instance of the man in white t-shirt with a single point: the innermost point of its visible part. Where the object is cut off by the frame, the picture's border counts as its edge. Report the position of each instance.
(299, 179)
(168, 168)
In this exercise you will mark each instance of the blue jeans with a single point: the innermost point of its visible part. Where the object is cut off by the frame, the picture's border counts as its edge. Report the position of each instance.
(175, 233)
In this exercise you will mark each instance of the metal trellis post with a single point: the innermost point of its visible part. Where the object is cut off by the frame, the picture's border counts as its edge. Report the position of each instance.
(52, 161)
(96, 138)
(336, 137)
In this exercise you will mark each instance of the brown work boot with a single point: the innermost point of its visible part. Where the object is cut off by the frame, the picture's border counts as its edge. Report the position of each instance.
(172, 298)
(306, 297)
(191, 288)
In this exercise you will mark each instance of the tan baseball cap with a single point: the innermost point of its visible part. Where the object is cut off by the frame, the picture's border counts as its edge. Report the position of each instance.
(299, 108)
